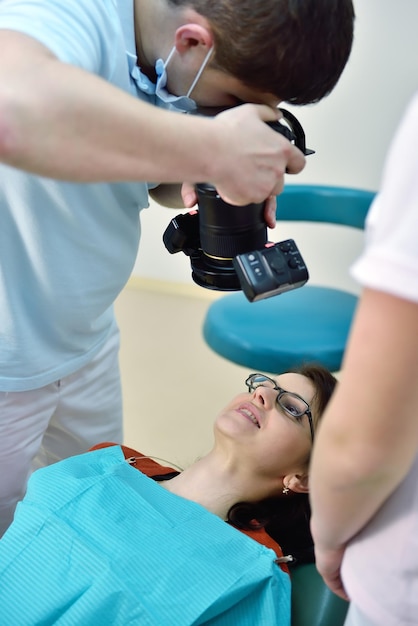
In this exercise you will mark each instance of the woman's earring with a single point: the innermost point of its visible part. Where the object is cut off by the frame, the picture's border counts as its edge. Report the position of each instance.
(285, 490)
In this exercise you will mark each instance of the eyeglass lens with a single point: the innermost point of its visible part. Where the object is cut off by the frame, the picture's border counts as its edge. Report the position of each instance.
(289, 401)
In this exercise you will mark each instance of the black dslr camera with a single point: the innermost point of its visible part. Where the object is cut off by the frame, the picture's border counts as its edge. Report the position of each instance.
(228, 246)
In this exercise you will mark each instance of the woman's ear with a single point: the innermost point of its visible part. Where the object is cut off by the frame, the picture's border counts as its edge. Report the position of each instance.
(298, 483)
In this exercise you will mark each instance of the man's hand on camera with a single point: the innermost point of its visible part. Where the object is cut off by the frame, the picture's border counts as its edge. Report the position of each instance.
(261, 158)
(253, 158)
(190, 199)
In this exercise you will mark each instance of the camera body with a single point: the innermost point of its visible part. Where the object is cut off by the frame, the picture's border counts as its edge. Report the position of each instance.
(228, 246)
(271, 271)
(261, 273)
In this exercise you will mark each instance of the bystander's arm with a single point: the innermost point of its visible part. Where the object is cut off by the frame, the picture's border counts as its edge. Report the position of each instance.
(368, 439)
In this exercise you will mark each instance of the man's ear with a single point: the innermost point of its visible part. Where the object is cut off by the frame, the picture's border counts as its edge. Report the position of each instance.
(298, 483)
(192, 35)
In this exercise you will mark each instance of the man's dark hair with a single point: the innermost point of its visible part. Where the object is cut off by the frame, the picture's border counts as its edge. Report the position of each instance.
(294, 49)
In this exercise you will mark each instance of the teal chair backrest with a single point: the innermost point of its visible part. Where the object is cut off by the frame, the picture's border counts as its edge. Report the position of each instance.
(313, 603)
(322, 203)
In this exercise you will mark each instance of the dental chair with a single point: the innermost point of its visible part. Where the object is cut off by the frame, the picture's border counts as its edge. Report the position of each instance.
(313, 603)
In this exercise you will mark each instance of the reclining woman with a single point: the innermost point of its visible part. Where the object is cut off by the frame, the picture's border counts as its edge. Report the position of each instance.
(110, 532)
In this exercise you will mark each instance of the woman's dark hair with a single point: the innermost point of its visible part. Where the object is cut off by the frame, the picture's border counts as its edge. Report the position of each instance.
(287, 518)
(294, 49)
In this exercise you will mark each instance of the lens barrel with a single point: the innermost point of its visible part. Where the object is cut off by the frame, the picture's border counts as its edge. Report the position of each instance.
(227, 230)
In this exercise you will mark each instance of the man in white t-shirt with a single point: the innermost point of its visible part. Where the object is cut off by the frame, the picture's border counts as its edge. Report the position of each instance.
(364, 480)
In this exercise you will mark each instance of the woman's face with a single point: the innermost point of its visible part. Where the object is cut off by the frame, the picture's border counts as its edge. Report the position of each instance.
(254, 429)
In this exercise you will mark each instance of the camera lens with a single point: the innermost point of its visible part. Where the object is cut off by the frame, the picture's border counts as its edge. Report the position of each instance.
(227, 230)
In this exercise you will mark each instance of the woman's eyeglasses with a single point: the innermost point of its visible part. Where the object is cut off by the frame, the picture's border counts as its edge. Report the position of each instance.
(290, 402)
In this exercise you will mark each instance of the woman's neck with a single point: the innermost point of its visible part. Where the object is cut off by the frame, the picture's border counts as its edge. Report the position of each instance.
(214, 484)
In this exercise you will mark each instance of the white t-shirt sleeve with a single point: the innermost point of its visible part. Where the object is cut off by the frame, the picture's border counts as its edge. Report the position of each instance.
(389, 261)
(76, 31)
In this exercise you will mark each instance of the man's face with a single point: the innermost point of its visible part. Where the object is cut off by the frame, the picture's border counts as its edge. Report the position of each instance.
(218, 89)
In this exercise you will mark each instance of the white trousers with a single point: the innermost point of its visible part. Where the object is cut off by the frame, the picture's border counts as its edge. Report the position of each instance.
(65, 418)
(356, 618)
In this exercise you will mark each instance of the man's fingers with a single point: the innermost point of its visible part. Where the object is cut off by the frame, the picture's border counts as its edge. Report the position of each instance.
(188, 194)
(270, 211)
(296, 161)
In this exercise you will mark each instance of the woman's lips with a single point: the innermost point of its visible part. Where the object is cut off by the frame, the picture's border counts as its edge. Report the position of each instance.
(250, 413)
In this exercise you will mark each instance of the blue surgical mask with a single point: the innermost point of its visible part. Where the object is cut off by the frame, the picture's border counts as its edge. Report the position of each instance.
(162, 97)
